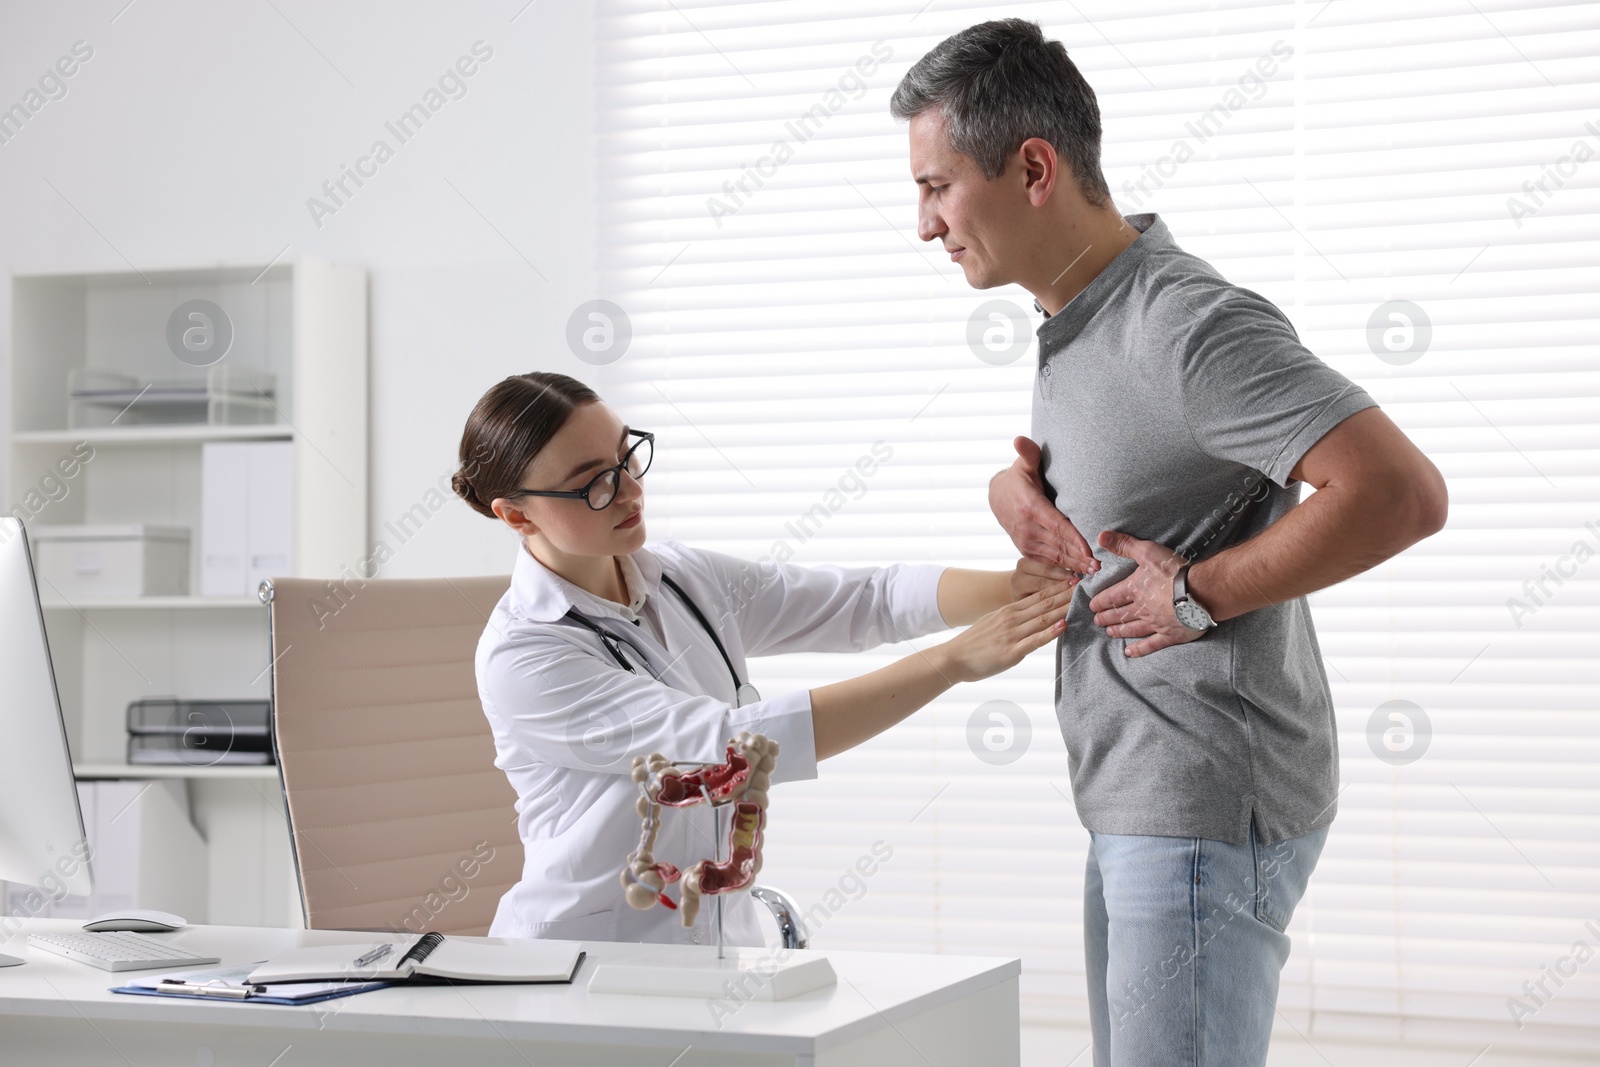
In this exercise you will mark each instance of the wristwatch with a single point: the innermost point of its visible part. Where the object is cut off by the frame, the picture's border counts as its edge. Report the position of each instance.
(1189, 610)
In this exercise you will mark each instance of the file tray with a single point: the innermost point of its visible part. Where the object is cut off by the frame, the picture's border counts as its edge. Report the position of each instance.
(199, 732)
(224, 394)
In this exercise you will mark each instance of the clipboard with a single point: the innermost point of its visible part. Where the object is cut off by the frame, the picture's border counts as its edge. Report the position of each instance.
(229, 984)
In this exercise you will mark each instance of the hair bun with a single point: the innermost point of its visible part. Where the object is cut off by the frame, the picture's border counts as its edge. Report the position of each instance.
(464, 490)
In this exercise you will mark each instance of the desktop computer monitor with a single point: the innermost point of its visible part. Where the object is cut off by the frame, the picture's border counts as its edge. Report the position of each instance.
(42, 842)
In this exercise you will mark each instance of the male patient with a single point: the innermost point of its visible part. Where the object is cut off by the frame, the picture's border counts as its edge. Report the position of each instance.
(1176, 416)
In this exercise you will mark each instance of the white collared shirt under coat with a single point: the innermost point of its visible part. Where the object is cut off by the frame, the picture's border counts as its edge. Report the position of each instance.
(568, 720)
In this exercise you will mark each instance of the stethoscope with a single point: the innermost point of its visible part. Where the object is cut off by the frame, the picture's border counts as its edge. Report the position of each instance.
(745, 693)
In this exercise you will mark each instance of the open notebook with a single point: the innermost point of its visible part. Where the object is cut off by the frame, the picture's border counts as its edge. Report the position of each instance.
(432, 956)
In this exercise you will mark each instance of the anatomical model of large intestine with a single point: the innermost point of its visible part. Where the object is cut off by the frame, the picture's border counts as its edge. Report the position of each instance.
(742, 781)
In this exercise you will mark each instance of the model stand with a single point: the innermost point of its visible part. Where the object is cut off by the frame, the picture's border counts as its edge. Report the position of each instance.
(740, 783)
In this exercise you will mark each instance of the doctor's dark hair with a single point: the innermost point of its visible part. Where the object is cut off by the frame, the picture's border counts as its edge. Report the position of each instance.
(511, 423)
(999, 83)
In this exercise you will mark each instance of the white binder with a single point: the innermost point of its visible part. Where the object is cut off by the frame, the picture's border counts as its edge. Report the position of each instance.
(269, 544)
(224, 516)
(246, 516)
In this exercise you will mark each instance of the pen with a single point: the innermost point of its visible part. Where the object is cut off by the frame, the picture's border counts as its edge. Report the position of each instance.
(372, 957)
(177, 985)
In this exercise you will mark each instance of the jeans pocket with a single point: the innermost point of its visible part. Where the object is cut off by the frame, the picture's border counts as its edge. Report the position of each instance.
(1278, 884)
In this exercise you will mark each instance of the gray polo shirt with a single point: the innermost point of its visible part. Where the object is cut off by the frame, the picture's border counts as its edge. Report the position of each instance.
(1171, 404)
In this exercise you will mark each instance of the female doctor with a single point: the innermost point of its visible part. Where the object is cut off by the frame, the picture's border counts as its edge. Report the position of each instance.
(602, 650)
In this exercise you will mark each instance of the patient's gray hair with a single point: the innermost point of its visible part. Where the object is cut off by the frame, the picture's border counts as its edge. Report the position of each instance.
(999, 83)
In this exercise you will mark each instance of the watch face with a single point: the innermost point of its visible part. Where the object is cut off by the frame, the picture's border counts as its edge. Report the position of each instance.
(1192, 615)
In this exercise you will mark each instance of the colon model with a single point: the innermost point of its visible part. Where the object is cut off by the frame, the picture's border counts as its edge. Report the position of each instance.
(742, 781)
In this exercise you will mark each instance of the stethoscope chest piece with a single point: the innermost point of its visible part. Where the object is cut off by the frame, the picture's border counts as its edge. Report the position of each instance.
(748, 694)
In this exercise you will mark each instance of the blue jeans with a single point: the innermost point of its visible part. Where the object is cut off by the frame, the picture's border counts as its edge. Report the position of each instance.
(1183, 941)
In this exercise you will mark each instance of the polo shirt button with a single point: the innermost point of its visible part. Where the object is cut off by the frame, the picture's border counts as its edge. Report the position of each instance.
(1045, 370)
(695, 937)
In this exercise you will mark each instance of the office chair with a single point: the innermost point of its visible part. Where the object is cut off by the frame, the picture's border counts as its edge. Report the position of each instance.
(398, 817)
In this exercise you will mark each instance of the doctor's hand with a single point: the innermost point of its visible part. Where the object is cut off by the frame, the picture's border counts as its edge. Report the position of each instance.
(999, 640)
(1141, 604)
(1032, 575)
(1035, 526)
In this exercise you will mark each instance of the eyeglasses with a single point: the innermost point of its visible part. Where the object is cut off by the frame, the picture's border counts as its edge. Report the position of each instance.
(601, 490)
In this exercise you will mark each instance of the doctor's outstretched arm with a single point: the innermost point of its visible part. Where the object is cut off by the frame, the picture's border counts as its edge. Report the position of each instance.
(844, 714)
(965, 595)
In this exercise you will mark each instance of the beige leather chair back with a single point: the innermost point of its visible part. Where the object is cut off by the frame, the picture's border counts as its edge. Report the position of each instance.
(398, 816)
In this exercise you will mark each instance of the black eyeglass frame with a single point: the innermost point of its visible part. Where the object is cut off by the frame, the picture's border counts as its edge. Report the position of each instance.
(583, 494)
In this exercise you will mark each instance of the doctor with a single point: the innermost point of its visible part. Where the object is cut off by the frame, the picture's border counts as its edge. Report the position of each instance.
(602, 650)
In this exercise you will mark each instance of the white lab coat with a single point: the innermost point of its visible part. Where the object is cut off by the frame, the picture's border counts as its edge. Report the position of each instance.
(568, 720)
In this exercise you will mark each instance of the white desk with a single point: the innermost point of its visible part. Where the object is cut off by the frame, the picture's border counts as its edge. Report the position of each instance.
(887, 1009)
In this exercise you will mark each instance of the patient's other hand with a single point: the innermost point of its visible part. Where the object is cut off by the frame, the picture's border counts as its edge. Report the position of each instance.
(1036, 527)
(1032, 575)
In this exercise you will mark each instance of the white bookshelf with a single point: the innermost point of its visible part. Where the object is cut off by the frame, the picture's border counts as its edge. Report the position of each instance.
(149, 603)
(146, 436)
(152, 772)
(306, 323)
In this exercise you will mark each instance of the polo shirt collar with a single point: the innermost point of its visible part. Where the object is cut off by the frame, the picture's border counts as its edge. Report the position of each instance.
(541, 595)
(1064, 325)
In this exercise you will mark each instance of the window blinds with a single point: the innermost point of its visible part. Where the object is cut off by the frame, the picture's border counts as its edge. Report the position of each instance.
(1416, 187)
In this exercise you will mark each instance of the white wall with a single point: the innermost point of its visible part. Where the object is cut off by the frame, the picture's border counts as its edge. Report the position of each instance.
(196, 133)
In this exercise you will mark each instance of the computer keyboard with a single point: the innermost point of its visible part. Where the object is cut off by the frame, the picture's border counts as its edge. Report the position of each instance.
(118, 951)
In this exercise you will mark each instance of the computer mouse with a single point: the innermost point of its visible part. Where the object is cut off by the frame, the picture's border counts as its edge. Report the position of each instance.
(141, 920)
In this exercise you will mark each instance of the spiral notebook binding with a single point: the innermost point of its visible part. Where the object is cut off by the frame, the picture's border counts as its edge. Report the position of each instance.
(419, 952)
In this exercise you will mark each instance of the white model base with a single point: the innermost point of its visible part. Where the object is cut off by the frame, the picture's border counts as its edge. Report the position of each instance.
(694, 971)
